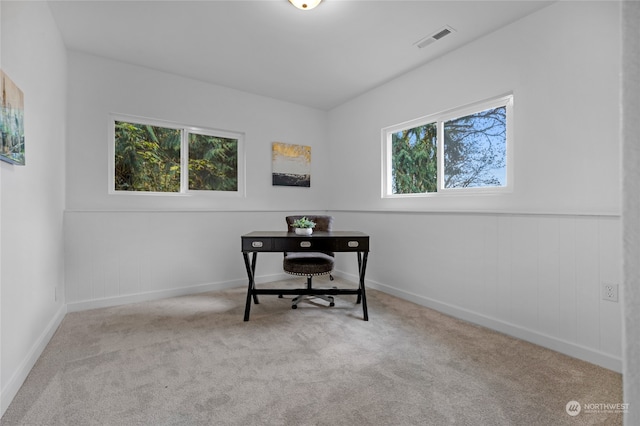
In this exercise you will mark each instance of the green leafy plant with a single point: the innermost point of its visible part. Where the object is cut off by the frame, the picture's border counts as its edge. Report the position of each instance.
(303, 222)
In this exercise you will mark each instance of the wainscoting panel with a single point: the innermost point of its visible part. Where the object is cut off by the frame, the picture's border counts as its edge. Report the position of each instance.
(120, 257)
(538, 277)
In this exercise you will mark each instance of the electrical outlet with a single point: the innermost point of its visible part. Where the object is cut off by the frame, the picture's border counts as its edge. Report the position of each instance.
(610, 292)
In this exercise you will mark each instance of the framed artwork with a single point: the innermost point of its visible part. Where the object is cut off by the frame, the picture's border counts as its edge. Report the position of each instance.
(291, 165)
(11, 121)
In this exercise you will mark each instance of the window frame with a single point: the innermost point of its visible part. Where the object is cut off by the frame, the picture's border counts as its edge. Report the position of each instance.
(440, 118)
(184, 157)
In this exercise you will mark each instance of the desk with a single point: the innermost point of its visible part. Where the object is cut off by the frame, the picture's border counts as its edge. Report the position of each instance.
(283, 241)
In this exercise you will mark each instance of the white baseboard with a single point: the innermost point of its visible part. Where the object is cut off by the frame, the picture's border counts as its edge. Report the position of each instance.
(574, 350)
(13, 386)
(106, 302)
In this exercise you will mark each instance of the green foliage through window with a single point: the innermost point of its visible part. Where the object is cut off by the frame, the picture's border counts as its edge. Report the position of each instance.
(213, 163)
(414, 160)
(148, 158)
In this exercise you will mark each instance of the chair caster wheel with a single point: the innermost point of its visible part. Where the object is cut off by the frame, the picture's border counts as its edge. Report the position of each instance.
(332, 304)
(294, 306)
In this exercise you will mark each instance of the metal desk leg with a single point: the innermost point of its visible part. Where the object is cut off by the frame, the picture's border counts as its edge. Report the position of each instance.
(363, 269)
(254, 259)
(251, 267)
(359, 275)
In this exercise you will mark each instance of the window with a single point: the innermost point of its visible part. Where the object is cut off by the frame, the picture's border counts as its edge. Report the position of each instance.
(462, 150)
(157, 157)
(213, 163)
(414, 159)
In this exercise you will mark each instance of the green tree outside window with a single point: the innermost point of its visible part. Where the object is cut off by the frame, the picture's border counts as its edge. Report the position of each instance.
(148, 159)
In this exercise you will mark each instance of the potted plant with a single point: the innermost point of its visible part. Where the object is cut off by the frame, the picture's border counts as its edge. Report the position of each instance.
(303, 226)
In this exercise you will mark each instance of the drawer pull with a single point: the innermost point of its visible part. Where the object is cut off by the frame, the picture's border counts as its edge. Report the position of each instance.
(256, 244)
(305, 244)
(353, 244)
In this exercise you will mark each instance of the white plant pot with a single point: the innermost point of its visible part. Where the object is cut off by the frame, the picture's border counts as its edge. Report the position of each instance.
(304, 231)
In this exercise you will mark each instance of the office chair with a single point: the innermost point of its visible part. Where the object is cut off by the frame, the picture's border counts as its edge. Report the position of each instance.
(310, 264)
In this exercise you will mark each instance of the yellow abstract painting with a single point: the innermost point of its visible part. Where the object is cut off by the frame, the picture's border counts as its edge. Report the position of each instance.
(291, 165)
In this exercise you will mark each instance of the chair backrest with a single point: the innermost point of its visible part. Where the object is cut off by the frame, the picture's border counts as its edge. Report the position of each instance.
(323, 223)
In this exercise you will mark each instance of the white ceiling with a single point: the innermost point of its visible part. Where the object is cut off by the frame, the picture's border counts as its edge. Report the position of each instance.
(320, 58)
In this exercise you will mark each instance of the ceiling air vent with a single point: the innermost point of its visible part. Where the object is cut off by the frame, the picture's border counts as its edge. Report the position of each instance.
(443, 32)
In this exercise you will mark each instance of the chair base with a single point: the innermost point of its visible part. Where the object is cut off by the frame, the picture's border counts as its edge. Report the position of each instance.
(298, 299)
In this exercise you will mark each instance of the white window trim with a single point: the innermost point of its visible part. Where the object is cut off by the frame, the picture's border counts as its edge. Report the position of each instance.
(440, 118)
(184, 157)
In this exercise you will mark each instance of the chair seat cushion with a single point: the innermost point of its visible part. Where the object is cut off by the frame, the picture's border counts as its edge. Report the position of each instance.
(308, 263)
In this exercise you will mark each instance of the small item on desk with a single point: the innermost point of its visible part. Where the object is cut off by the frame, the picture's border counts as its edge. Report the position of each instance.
(303, 226)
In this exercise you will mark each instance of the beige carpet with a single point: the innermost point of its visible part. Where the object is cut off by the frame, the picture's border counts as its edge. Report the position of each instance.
(193, 361)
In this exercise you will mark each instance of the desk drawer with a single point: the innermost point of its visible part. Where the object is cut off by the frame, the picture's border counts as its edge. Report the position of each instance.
(257, 244)
(352, 244)
(304, 244)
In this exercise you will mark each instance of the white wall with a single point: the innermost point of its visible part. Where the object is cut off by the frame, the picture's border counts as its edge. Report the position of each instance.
(33, 55)
(126, 247)
(530, 263)
(536, 277)
(562, 65)
(100, 86)
(122, 257)
(631, 227)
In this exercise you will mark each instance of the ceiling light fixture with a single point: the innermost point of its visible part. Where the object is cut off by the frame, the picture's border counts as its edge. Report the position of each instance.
(305, 4)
